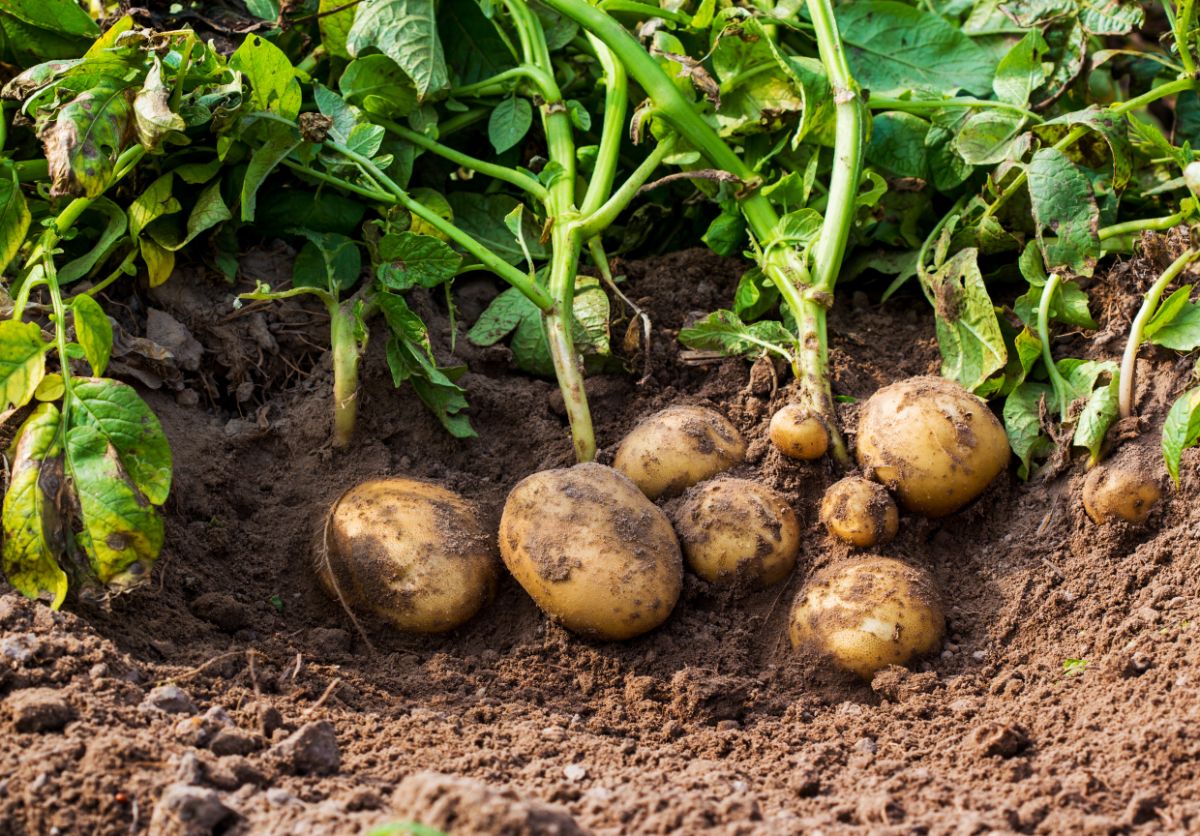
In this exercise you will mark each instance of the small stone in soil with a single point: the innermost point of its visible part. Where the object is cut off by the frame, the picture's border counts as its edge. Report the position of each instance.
(170, 699)
(233, 741)
(311, 750)
(185, 810)
(39, 710)
(222, 610)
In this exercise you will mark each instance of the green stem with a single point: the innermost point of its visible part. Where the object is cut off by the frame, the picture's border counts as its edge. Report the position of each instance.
(1140, 225)
(60, 330)
(497, 172)
(1182, 27)
(181, 76)
(1043, 325)
(507, 80)
(30, 171)
(310, 61)
(645, 9)
(603, 217)
(395, 194)
(461, 121)
(1079, 132)
(123, 269)
(344, 343)
(1137, 328)
(616, 103)
(926, 105)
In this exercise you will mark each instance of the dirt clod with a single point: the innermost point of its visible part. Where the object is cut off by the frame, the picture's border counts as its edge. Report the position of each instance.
(311, 750)
(469, 806)
(170, 699)
(39, 710)
(185, 810)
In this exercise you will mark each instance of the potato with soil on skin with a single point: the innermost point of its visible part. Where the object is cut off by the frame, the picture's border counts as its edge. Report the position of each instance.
(678, 447)
(798, 434)
(594, 553)
(860, 512)
(868, 613)
(408, 551)
(735, 528)
(1119, 491)
(932, 442)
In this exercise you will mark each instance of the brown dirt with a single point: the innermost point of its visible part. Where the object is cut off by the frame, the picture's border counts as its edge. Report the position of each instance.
(710, 722)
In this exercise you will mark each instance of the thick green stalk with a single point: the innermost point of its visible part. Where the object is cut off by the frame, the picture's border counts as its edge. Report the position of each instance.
(926, 105)
(616, 104)
(1140, 225)
(1138, 327)
(1181, 28)
(344, 342)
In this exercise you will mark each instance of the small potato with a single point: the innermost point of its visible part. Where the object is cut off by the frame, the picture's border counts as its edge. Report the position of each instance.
(408, 551)
(798, 434)
(592, 551)
(735, 528)
(1114, 491)
(860, 512)
(932, 442)
(674, 449)
(867, 614)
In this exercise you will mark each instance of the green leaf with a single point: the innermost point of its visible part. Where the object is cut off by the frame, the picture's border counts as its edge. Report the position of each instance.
(22, 361)
(406, 32)
(82, 144)
(1181, 430)
(986, 136)
(893, 48)
(509, 122)
(123, 421)
(1098, 415)
(157, 200)
(335, 26)
(281, 141)
(1182, 333)
(968, 331)
(482, 217)
(726, 235)
(1105, 143)
(505, 313)
(328, 262)
(14, 215)
(210, 210)
(94, 332)
(114, 230)
(1023, 423)
(273, 83)
(378, 85)
(1063, 202)
(118, 528)
(898, 144)
(152, 112)
(724, 332)
(408, 260)
(29, 517)
(755, 295)
(292, 208)
(263, 9)
(32, 31)
(1170, 308)
(474, 50)
(1020, 71)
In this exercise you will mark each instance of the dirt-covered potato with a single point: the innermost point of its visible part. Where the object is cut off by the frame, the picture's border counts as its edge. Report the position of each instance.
(932, 442)
(798, 434)
(860, 512)
(867, 614)
(674, 449)
(408, 551)
(1118, 491)
(735, 528)
(592, 551)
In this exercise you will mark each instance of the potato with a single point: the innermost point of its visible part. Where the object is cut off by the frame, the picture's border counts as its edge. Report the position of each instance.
(860, 512)
(932, 442)
(867, 614)
(674, 449)
(798, 434)
(408, 551)
(592, 551)
(1118, 491)
(735, 528)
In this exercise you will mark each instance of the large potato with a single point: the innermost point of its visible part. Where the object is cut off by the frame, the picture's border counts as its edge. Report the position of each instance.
(408, 551)
(860, 512)
(932, 442)
(674, 449)
(867, 614)
(592, 551)
(735, 528)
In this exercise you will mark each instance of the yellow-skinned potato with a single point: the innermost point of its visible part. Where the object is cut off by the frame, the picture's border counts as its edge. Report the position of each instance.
(592, 551)
(731, 528)
(678, 447)
(1118, 492)
(868, 613)
(408, 551)
(932, 442)
(797, 434)
(860, 512)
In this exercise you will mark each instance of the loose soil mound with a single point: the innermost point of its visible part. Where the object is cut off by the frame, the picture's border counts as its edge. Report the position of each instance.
(231, 696)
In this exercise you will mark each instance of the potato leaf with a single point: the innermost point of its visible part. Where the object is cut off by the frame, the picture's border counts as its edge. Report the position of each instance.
(328, 261)
(14, 214)
(208, 211)
(29, 518)
(84, 140)
(755, 295)
(898, 144)
(968, 331)
(1176, 323)
(406, 32)
(1181, 430)
(335, 26)
(1106, 143)
(115, 224)
(152, 110)
(474, 50)
(1023, 423)
(408, 260)
(273, 83)
(1064, 204)
(94, 332)
(32, 31)
(724, 332)
(378, 85)
(482, 217)
(509, 122)
(1098, 415)
(22, 361)
(893, 47)
(281, 140)
(1021, 71)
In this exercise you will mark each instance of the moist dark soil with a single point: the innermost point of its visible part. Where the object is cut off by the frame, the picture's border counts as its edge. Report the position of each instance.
(231, 695)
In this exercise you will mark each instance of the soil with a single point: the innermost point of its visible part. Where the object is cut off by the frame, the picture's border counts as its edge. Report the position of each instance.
(231, 695)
